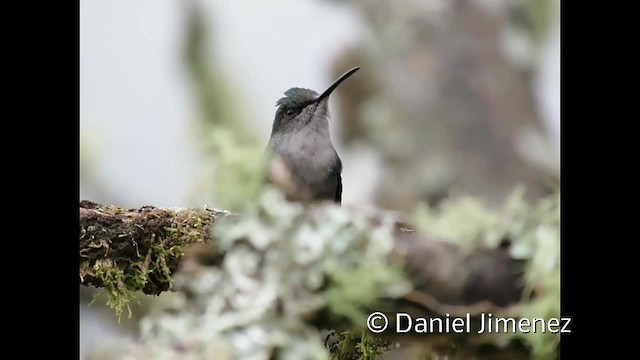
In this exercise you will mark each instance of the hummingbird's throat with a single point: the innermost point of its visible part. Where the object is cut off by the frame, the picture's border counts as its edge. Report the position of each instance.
(318, 111)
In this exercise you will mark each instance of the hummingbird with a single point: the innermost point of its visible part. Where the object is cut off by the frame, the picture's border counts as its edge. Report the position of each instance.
(306, 166)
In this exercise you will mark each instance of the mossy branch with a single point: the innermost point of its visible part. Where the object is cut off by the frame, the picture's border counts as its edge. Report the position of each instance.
(287, 270)
(128, 250)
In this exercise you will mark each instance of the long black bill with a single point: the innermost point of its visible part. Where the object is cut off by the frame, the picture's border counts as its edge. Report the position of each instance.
(336, 83)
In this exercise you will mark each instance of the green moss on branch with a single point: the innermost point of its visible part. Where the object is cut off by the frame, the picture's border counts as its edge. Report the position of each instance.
(129, 250)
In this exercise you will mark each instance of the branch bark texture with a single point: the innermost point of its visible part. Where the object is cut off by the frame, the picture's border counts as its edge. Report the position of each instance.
(142, 245)
(150, 241)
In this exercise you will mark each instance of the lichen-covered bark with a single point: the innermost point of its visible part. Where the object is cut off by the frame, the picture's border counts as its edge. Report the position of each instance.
(286, 270)
(146, 244)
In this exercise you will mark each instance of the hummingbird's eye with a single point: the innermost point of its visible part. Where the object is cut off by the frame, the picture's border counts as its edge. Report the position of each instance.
(290, 112)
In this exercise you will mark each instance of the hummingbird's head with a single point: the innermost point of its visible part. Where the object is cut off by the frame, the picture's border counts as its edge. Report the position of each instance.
(300, 107)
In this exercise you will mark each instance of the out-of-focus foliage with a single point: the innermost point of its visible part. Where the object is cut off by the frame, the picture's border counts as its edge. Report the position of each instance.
(236, 171)
(232, 158)
(530, 232)
(216, 95)
(541, 244)
(282, 264)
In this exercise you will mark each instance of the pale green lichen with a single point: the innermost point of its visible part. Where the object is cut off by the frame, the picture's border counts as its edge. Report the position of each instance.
(540, 242)
(282, 263)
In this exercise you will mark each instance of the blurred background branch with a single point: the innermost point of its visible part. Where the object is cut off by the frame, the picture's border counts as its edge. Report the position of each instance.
(448, 98)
